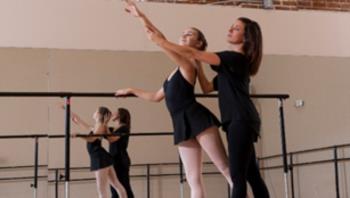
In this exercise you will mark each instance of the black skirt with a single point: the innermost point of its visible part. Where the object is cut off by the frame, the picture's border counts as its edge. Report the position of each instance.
(99, 157)
(100, 160)
(191, 121)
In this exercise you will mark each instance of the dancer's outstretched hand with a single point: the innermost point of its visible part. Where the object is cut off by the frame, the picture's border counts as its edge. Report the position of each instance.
(123, 92)
(75, 118)
(74, 135)
(131, 8)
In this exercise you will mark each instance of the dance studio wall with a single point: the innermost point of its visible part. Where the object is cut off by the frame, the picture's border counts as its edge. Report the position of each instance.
(103, 25)
(318, 81)
(86, 71)
(321, 82)
(306, 56)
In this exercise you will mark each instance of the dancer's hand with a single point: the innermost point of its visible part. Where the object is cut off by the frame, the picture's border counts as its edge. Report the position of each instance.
(115, 116)
(74, 135)
(132, 9)
(123, 92)
(76, 119)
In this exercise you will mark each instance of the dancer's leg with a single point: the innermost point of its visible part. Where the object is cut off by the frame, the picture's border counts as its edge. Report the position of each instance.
(113, 179)
(212, 144)
(191, 156)
(102, 182)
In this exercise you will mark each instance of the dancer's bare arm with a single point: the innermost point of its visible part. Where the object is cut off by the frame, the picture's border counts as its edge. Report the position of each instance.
(149, 96)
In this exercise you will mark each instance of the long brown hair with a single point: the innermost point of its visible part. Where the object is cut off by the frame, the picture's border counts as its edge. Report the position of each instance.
(105, 114)
(124, 117)
(253, 44)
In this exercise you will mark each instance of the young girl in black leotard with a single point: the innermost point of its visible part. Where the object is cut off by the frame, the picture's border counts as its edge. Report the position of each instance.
(195, 127)
(100, 159)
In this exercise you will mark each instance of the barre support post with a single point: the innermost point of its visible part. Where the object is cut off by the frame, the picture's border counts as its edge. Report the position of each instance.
(67, 146)
(36, 167)
(284, 147)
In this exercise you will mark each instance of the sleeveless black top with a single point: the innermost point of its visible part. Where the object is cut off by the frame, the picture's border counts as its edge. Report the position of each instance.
(99, 157)
(189, 117)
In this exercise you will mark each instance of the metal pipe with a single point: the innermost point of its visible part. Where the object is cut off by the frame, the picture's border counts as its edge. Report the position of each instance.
(284, 147)
(36, 167)
(291, 169)
(336, 172)
(148, 177)
(67, 146)
(56, 182)
(101, 94)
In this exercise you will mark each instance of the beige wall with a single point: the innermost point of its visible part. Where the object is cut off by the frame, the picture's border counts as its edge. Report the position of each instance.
(322, 83)
(85, 71)
(319, 81)
(103, 25)
(308, 66)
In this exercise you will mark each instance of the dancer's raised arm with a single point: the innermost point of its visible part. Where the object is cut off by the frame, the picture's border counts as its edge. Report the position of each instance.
(84, 125)
(131, 8)
(180, 61)
(149, 96)
(186, 51)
